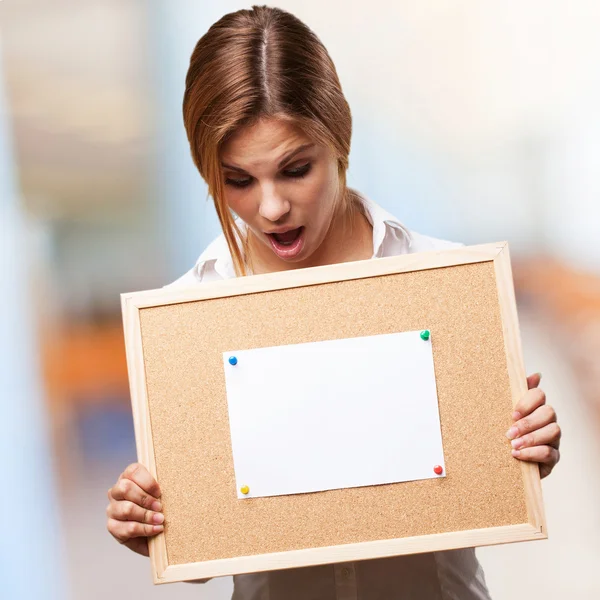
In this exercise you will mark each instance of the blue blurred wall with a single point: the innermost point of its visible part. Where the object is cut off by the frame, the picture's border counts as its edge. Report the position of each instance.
(30, 550)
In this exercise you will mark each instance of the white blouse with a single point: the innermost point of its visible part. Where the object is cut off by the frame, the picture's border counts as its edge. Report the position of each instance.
(449, 575)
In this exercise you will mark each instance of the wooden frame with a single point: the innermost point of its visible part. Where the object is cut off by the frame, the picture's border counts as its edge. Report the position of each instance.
(498, 253)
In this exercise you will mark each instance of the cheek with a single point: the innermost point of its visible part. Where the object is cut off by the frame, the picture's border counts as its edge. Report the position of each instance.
(241, 204)
(318, 196)
(324, 192)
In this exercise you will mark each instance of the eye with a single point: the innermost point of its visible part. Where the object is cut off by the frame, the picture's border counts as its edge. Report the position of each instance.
(239, 183)
(298, 171)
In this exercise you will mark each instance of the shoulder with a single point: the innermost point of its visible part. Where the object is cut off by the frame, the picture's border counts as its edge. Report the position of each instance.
(391, 236)
(214, 263)
(424, 243)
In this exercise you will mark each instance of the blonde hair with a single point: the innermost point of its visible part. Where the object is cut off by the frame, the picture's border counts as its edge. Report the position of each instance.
(253, 64)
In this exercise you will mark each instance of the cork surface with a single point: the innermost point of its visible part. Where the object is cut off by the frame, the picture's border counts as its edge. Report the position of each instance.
(183, 345)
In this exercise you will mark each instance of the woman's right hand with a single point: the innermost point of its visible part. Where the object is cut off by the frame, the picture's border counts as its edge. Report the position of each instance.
(134, 511)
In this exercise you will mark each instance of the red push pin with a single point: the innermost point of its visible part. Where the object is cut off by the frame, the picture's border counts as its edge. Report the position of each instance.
(438, 470)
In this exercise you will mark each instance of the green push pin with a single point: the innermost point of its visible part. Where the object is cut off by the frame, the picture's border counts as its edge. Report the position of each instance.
(425, 335)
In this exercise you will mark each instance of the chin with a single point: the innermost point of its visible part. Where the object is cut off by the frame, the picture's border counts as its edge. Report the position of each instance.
(302, 257)
(293, 260)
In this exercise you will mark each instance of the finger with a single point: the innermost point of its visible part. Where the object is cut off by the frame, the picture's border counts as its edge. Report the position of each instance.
(545, 455)
(126, 489)
(128, 511)
(545, 470)
(140, 475)
(139, 545)
(124, 531)
(531, 400)
(540, 417)
(546, 436)
(533, 381)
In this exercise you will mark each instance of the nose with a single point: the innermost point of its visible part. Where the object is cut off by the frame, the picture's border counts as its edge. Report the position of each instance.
(273, 206)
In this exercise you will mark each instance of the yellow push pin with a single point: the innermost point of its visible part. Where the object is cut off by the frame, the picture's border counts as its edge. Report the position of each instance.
(245, 489)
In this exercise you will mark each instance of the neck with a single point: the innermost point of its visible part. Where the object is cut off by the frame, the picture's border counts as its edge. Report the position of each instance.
(350, 238)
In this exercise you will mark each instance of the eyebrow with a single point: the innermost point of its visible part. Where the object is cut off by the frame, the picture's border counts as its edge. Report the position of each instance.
(285, 159)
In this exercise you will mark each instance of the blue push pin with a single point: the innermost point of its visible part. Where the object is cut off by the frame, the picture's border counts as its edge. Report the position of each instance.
(233, 360)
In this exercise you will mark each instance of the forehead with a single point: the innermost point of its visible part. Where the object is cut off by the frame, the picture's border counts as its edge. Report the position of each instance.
(265, 141)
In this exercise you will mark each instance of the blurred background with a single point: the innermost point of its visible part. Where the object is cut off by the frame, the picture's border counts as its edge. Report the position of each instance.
(475, 120)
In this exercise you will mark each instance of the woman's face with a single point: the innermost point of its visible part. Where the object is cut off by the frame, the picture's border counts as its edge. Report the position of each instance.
(284, 187)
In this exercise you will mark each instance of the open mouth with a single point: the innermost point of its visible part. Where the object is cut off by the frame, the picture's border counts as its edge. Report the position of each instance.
(289, 243)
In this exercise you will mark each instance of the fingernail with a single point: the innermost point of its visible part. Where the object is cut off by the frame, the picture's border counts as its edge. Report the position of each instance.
(516, 453)
(518, 443)
(157, 527)
(158, 518)
(156, 506)
(516, 416)
(512, 433)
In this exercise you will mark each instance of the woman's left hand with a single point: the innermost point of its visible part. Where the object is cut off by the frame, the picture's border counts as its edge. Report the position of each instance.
(535, 434)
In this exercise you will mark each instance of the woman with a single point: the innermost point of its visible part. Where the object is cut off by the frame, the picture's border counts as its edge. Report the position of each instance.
(269, 130)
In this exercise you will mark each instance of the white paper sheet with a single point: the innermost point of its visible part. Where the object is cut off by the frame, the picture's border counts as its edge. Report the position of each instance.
(333, 414)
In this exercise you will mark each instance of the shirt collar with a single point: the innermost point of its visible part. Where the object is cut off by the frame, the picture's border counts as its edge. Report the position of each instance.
(385, 227)
(216, 261)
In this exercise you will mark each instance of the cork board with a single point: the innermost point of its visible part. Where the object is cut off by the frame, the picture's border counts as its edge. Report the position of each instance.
(175, 339)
